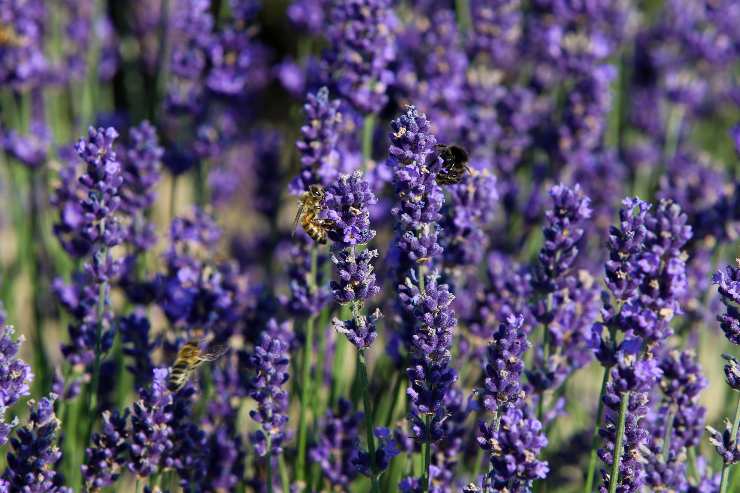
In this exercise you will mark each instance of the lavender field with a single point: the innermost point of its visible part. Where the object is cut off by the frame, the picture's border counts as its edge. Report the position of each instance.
(370, 246)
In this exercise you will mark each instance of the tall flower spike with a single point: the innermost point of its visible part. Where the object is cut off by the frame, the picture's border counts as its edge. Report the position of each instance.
(337, 444)
(563, 230)
(15, 377)
(318, 143)
(101, 181)
(513, 449)
(636, 376)
(415, 163)
(362, 40)
(728, 286)
(430, 376)
(106, 459)
(346, 206)
(504, 366)
(679, 411)
(270, 362)
(33, 459)
(151, 433)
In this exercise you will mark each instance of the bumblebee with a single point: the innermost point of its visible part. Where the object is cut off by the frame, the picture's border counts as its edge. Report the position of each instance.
(309, 209)
(189, 358)
(454, 164)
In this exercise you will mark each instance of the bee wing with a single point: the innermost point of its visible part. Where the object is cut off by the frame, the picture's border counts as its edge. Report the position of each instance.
(298, 214)
(213, 353)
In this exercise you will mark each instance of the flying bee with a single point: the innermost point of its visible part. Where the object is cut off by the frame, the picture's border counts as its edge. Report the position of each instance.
(309, 209)
(189, 358)
(454, 164)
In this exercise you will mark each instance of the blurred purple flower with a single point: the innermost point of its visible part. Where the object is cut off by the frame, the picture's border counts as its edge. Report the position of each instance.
(361, 36)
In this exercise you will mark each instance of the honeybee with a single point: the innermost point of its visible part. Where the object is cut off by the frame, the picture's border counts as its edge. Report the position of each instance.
(454, 164)
(310, 206)
(189, 358)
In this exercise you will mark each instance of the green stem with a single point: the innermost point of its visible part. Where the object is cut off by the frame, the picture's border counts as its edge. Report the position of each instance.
(284, 480)
(394, 400)
(588, 487)
(362, 368)
(92, 396)
(724, 481)
(35, 257)
(368, 126)
(464, 20)
(667, 436)
(173, 197)
(693, 473)
(306, 378)
(427, 452)
(619, 445)
(162, 60)
(269, 463)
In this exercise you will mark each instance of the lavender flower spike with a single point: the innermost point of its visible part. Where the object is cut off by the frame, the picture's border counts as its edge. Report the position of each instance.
(15, 377)
(504, 366)
(728, 285)
(270, 363)
(346, 206)
(361, 36)
(33, 459)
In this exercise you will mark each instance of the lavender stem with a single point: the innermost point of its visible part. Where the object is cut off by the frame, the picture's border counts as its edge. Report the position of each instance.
(427, 452)
(724, 481)
(368, 126)
(588, 487)
(362, 368)
(462, 8)
(306, 377)
(614, 478)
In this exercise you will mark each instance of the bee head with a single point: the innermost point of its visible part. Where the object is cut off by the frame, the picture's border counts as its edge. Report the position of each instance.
(458, 153)
(316, 191)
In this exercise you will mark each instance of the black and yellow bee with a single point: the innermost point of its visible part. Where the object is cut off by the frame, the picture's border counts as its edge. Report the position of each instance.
(189, 358)
(454, 164)
(309, 209)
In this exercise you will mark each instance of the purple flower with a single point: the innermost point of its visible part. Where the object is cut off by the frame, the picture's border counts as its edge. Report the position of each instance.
(563, 230)
(15, 377)
(32, 462)
(80, 300)
(362, 40)
(106, 459)
(23, 62)
(732, 371)
(360, 330)
(270, 362)
(141, 168)
(306, 298)
(135, 330)
(385, 450)
(192, 24)
(32, 149)
(337, 444)
(636, 376)
(496, 30)
(318, 143)
(681, 383)
(151, 432)
(728, 286)
(513, 449)
(415, 163)
(238, 63)
(504, 366)
(430, 376)
(308, 15)
(725, 444)
(470, 209)
(100, 181)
